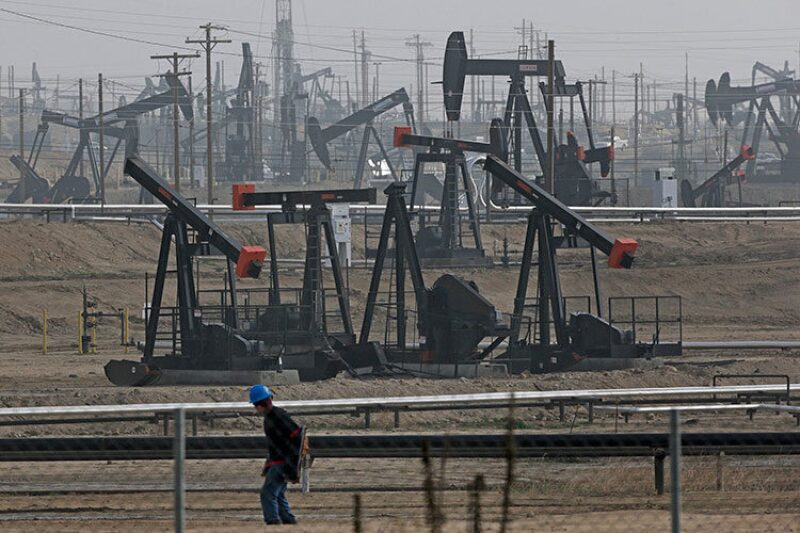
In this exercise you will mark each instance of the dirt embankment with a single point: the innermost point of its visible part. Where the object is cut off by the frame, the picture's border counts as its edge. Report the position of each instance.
(735, 280)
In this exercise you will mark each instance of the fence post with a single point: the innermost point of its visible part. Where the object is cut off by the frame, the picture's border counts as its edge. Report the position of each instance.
(44, 331)
(675, 467)
(179, 452)
(658, 465)
(80, 333)
(126, 328)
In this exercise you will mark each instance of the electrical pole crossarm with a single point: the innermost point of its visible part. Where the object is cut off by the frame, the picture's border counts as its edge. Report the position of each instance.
(620, 251)
(248, 259)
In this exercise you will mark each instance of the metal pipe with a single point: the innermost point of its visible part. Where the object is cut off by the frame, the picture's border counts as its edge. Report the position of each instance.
(741, 345)
(675, 468)
(379, 209)
(402, 401)
(180, 462)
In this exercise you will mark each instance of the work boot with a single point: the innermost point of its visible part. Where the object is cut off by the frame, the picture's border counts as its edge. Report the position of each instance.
(290, 521)
(273, 522)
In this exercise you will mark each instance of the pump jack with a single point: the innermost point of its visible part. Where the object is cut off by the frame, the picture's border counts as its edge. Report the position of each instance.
(306, 328)
(451, 317)
(720, 100)
(366, 116)
(120, 123)
(582, 336)
(710, 192)
(572, 181)
(443, 243)
(242, 343)
(208, 349)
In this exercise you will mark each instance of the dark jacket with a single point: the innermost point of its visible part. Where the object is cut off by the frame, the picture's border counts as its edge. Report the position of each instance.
(283, 437)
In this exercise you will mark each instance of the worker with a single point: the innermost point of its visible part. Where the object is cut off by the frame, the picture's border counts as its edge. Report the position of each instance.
(282, 462)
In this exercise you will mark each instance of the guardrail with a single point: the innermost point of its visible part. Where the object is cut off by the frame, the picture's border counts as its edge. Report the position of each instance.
(400, 404)
(121, 212)
(750, 408)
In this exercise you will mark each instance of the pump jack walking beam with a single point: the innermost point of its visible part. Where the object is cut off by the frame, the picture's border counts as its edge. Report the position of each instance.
(319, 226)
(712, 185)
(248, 259)
(321, 137)
(620, 252)
(245, 197)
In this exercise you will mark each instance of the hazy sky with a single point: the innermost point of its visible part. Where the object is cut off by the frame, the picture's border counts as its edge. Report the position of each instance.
(719, 35)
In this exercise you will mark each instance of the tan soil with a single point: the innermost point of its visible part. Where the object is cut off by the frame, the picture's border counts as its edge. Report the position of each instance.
(736, 280)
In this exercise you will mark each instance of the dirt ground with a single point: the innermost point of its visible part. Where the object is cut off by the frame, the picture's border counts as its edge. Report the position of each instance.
(579, 496)
(736, 281)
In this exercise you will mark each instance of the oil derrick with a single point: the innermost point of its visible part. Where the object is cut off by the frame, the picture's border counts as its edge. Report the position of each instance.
(240, 147)
(288, 149)
(721, 100)
(37, 91)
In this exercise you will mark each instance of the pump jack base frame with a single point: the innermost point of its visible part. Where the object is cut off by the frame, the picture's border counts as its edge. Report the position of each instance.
(523, 359)
(127, 373)
(459, 261)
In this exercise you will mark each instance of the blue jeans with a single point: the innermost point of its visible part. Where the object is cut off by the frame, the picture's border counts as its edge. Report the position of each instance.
(273, 497)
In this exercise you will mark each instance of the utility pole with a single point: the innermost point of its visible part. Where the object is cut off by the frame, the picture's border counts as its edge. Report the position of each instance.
(603, 116)
(208, 45)
(377, 80)
(355, 66)
(191, 135)
(613, 96)
(686, 78)
(533, 51)
(1, 109)
(635, 128)
(175, 58)
(80, 114)
(472, 78)
(613, 180)
(419, 46)
(22, 140)
(590, 103)
(694, 101)
(641, 87)
(364, 71)
(101, 139)
(655, 99)
(551, 159)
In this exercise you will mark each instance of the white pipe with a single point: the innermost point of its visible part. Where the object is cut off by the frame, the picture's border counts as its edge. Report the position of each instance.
(452, 400)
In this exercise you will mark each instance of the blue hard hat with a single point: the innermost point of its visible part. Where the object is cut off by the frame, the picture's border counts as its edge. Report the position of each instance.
(258, 393)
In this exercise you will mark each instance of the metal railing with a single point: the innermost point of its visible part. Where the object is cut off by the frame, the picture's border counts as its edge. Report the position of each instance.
(650, 320)
(134, 212)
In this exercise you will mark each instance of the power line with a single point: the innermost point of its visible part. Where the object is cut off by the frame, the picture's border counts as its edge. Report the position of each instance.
(85, 30)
